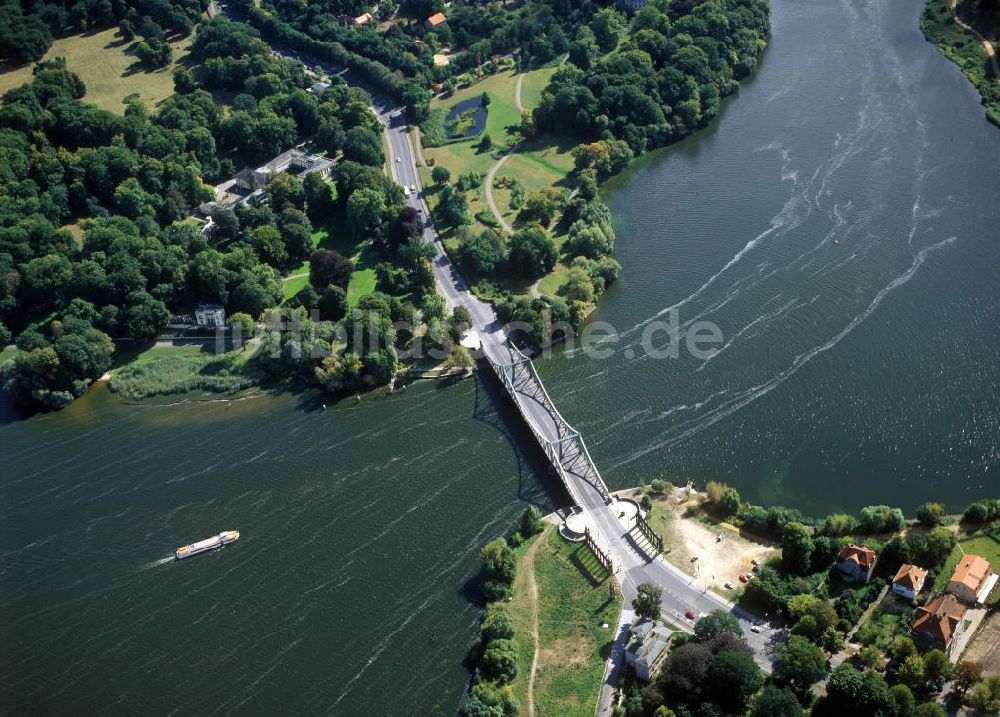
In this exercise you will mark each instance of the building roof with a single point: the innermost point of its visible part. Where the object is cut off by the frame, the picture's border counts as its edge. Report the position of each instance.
(363, 19)
(864, 556)
(971, 571)
(209, 307)
(648, 641)
(436, 19)
(940, 618)
(910, 576)
(319, 87)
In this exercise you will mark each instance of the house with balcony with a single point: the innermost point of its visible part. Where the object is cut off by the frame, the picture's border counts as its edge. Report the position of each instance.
(909, 581)
(855, 563)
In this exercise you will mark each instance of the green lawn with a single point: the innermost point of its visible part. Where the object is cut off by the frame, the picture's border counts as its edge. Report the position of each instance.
(363, 278)
(986, 546)
(331, 235)
(533, 84)
(573, 604)
(108, 67)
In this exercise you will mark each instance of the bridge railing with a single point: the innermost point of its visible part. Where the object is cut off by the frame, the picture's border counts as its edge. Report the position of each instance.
(553, 449)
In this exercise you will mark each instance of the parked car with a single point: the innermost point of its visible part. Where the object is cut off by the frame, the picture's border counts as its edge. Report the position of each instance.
(694, 558)
(689, 614)
(744, 578)
(755, 561)
(756, 628)
(729, 586)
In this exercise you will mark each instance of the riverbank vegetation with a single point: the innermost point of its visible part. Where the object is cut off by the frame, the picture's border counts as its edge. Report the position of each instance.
(180, 370)
(959, 30)
(543, 639)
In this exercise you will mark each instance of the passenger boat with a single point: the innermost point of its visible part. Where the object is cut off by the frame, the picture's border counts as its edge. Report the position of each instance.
(203, 546)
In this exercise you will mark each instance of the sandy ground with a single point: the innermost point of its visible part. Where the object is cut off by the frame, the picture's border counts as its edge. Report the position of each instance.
(719, 561)
(985, 646)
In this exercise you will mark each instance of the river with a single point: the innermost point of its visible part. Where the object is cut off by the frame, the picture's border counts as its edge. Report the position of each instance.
(839, 224)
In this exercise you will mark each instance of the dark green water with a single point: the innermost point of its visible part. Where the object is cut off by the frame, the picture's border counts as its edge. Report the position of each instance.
(846, 248)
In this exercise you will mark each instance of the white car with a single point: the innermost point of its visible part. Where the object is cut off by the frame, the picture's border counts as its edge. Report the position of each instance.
(406, 191)
(756, 628)
(398, 159)
(413, 188)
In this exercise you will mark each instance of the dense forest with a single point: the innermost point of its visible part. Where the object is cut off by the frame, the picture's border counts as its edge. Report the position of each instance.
(655, 80)
(26, 33)
(128, 183)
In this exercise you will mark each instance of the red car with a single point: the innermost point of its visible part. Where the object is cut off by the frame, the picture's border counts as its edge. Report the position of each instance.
(689, 614)
(744, 578)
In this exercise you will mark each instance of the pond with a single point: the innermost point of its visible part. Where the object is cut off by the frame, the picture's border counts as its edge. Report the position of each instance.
(466, 119)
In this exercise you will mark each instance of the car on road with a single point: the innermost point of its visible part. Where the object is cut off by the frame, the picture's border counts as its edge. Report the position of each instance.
(398, 159)
(413, 188)
(689, 615)
(406, 191)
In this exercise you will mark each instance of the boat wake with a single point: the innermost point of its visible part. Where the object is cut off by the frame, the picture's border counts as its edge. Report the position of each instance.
(156, 563)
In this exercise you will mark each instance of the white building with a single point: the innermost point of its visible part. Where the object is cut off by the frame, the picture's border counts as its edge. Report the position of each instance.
(210, 315)
(301, 163)
(909, 581)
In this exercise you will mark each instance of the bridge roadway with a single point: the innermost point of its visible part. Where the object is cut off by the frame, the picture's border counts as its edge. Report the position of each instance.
(561, 443)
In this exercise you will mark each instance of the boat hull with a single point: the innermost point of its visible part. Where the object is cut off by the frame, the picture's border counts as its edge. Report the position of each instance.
(205, 546)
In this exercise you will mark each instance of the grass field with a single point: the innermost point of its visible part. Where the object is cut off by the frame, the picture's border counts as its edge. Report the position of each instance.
(533, 84)
(108, 67)
(332, 235)
(573, 605)
(986, 546)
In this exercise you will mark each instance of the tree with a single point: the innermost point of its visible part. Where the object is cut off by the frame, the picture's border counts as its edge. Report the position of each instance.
(930, 514)
(332, 304)
(967, 674)
(328, 267)
(485, 99)
(911, 673)
(543, 206)
(732, 678)
(531, 522)
(486, 143)
(453, 206)
(903, 648)
(363, 146)
(985, 696)
(340, 373)
(937, 667)
(497, 624)
(284, 190)
(776, 702)
(930, 709)
(902, 696)
(498, 662)
(366, 213)
(802, 663)
(242, 324)
(499, 567)
(486, 700)
(484, 253)
(881, 519)
(440, 174)
(647, 601)
(796, 548)
(608, 27)
(716, 623)
(532, 252)
(145, 316)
